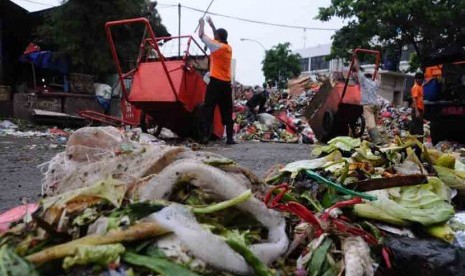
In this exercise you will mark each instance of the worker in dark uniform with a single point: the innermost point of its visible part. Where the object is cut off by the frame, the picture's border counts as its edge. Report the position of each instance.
(257, 102)
(219, 91)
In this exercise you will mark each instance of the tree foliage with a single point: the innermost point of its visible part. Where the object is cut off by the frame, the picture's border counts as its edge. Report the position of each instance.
(280, 64)
(425, 24)
(77, 29)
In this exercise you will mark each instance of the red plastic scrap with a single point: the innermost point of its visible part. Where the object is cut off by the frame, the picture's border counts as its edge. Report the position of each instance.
(290, 126)
(58, 131)
(306, 215)
(251, 130)
(341, 204)
(341, 224)
(344, 227)
(239, 108)
(386, 258)
(15, 214)
(292, 207)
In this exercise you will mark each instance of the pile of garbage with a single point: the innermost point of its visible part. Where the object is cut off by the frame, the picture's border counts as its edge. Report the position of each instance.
(123, 207)
(283, 122)
(394, 120)
(113, 204)
(11, 129)
(22, 129)
(361, 208)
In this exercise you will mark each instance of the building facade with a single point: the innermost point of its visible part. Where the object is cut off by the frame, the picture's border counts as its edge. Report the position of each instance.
(313, 60)
(394, 86)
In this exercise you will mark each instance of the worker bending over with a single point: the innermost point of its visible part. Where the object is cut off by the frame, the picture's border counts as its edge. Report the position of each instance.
(219, 91)
(256, 100)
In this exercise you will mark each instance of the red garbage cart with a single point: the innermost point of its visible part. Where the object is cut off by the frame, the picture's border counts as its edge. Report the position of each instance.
(166, 87)
(335, 110)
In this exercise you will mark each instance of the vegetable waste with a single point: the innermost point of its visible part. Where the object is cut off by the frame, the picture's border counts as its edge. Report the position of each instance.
(114, 205)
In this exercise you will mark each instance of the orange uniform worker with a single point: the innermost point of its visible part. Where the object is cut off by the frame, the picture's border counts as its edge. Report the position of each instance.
(219, 91)
(418, 106)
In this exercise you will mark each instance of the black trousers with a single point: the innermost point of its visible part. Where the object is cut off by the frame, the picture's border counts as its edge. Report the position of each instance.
(416, 125)
(218, 93)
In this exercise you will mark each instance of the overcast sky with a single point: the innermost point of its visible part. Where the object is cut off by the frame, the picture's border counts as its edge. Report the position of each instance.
(248, 54)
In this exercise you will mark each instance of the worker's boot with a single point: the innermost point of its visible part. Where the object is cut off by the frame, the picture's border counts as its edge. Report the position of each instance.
(375, 137)
(230, 134)
(204, 134)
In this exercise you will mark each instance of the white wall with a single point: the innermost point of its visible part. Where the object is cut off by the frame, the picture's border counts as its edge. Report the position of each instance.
(335, 64)
(393, 87)
(320, 50)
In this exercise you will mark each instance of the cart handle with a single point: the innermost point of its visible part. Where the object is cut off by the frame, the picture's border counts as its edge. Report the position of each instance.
(354, 56)
(190, 39)
(145, 21)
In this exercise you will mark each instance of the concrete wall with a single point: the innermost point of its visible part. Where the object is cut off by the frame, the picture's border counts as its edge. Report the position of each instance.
(392, 87)
(320, 50)
(24, 103)
(72, 105)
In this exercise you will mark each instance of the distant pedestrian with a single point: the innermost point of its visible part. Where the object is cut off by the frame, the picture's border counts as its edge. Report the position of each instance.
(418, 106)
(219, 91)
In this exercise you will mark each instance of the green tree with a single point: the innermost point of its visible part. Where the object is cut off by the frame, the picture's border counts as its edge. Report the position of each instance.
(77, 29)
(280, 64)
(425, 24)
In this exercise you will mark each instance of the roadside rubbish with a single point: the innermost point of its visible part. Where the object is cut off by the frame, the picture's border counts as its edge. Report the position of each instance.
(7, 125)
(293, 127)
(24, 129)
(425, 257)
(58, 131)
(283, 121)
(117, 201)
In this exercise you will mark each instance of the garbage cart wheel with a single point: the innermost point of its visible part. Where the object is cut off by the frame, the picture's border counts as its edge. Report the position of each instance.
(328, 122)
(358, 127)
(146, 124)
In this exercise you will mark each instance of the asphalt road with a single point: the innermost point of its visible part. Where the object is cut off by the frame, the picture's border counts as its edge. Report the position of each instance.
(20, 177)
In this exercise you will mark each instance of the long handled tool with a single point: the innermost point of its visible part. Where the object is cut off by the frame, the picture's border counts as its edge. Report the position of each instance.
(205, 13)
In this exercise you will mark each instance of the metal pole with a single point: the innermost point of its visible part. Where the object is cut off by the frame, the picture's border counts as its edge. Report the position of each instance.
(205, 13)
(256, 41)
(305, 37)
(179, 29)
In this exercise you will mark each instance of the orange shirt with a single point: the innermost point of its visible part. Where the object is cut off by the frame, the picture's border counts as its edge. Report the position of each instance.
(220, 60)
(417, 93)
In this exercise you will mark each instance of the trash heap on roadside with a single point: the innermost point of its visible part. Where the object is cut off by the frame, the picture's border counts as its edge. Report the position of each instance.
(11, 129)
(365, 209)
(395, 121)
(283, 122)
(124, 207)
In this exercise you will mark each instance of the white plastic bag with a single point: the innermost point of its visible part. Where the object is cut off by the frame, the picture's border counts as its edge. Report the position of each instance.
(102, 90)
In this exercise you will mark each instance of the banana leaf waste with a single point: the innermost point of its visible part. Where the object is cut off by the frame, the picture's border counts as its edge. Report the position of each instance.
(113, 204)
